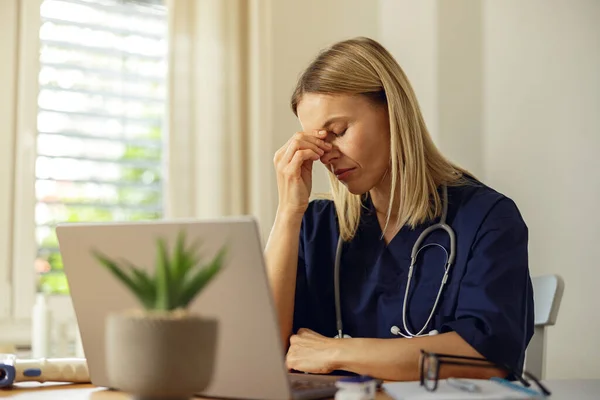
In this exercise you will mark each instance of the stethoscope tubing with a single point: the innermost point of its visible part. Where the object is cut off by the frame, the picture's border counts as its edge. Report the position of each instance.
(416, 249)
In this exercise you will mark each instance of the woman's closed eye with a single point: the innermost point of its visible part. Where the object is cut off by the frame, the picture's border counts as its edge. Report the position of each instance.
(340, 133)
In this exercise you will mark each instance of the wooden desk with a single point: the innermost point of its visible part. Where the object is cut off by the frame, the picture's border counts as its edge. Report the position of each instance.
(568, 389)
(33, 391)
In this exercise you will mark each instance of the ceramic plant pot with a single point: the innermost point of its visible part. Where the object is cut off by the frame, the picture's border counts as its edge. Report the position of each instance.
(160, 355)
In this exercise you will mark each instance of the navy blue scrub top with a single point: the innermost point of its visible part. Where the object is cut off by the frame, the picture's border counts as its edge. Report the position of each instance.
(488, 298)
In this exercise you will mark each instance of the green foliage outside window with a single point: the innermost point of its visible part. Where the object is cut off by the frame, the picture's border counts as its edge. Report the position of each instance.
(53, 279)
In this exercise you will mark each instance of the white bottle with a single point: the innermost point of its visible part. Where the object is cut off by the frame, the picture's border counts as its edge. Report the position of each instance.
(41, 328)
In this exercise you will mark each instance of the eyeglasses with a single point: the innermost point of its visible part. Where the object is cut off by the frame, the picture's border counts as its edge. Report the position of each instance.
(430, 368)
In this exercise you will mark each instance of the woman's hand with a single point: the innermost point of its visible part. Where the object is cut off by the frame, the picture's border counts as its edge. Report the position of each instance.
(312, 353)
(293, 164)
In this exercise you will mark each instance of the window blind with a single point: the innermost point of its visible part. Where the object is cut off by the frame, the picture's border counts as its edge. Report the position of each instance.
(101, 119)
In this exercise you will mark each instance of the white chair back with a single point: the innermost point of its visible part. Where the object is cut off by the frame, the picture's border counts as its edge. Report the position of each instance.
(547, 295)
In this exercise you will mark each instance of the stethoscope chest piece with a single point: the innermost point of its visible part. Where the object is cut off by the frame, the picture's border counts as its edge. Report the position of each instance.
(345, 336)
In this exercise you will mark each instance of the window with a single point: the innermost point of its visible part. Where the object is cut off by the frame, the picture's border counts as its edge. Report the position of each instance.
(100, 120)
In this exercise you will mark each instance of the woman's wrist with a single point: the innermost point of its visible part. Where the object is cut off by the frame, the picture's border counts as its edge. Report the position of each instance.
(289, 217)
(343, 352)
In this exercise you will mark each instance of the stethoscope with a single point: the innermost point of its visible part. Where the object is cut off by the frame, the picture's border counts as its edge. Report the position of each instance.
(395, 330)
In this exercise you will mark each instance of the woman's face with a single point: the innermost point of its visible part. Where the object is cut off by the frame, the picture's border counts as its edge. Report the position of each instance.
(359, 131)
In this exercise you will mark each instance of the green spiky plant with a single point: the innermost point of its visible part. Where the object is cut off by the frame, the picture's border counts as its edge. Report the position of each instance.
(176, 281)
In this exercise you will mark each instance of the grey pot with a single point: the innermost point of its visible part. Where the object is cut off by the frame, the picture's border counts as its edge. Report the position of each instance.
(160, 356)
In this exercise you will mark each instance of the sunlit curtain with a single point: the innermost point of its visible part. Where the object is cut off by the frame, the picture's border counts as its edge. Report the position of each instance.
(207, 118)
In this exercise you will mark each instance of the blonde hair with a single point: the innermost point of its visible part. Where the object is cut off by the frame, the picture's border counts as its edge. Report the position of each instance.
(362, 66)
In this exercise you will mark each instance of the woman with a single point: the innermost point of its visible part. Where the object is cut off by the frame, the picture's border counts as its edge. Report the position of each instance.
(360, 118)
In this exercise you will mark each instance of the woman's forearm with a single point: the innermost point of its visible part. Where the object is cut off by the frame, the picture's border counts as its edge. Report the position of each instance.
(398, 359)
(281, 256)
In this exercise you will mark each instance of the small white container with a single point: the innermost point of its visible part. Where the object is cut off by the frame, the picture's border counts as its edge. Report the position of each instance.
(356, 388)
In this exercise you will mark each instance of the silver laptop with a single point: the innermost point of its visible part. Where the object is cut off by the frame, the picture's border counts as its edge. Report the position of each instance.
(250, 356)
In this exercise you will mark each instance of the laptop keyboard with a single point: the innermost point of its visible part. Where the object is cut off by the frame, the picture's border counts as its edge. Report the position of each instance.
(311, 384)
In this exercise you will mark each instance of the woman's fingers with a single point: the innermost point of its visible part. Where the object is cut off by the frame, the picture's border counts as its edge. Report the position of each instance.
(294, 166)
(303, 141)
(317, 138)
(293, 163)
(298, 145)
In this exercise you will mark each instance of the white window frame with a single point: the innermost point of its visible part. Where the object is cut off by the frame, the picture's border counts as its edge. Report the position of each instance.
(19, 46)
(17, 240)
(8, 74)
(24, 245)
(19, 43)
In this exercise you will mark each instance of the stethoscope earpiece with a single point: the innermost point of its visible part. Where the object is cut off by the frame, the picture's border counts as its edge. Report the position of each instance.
(396, 331)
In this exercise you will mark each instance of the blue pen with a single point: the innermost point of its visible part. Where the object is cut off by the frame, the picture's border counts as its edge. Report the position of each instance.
(516, 386)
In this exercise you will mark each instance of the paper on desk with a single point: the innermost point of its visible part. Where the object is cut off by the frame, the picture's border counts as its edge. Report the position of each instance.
(489, 390)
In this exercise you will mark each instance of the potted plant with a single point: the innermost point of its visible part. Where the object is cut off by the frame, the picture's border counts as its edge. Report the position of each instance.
(162, 350)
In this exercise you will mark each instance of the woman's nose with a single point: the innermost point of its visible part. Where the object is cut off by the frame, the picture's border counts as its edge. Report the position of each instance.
(331, 155)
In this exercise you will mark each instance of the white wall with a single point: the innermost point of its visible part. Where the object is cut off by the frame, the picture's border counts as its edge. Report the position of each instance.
(460, 76)
(409, 31)
(438, 45)
(542, 140)
(300, 30)
(511, 91)
(295, 32)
